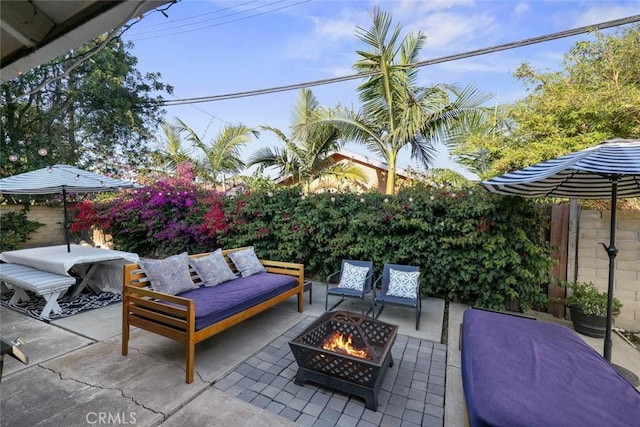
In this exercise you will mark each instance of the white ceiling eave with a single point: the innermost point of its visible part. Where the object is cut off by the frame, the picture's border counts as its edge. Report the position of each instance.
(31, 38)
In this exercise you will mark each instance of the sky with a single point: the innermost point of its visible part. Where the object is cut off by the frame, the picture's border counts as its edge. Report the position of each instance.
(209, 47)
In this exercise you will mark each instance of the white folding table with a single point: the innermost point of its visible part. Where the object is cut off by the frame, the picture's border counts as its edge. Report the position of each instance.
(83, 260)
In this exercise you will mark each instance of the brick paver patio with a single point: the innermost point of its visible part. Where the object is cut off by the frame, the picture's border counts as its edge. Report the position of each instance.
(412, 393)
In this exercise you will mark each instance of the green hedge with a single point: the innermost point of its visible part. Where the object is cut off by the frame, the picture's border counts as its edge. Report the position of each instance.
(471, 246)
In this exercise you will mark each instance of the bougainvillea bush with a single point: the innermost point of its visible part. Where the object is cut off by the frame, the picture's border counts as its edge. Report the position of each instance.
(160, 219)
(471, 246)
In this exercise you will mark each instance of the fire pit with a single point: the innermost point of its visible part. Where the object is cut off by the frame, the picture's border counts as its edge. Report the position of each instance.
(345, 351)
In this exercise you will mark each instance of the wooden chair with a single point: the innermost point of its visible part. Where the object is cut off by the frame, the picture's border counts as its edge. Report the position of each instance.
(343, 290)
(411, 297)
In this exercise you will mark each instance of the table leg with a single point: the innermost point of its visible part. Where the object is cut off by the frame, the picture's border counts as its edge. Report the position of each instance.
(308, 286)
(86, 280)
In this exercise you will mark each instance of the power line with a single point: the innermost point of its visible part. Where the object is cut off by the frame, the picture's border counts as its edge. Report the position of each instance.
(170, 29)
(449, 58)
(192, 18)
(213, 116)
(224, 22)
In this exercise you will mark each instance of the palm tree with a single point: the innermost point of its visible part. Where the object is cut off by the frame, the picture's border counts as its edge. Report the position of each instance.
(174, 152)
(305, 156)
(222, 156)
(395, 111)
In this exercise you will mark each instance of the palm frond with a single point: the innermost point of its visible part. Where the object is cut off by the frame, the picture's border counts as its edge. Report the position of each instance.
(266, 156)
(277, 132)
(223, 155)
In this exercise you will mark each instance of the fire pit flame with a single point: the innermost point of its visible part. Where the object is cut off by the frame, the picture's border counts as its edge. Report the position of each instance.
(337, 343)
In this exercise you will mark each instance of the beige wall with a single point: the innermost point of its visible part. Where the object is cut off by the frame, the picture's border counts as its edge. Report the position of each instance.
(593, 261)
(375, 176)
(51, 234)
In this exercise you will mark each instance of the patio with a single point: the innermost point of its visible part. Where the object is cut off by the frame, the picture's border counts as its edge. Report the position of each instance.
(77, 375)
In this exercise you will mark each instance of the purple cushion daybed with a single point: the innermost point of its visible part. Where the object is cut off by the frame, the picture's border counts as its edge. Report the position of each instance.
(195, 315)
(522, 372)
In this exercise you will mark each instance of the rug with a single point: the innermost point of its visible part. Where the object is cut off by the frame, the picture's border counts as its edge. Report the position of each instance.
(70, 305)
(412, 393)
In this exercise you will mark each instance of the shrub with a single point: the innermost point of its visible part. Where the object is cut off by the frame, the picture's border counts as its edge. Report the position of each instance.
(160, 219)
(472, 246)
(588, 299)
(15, 228)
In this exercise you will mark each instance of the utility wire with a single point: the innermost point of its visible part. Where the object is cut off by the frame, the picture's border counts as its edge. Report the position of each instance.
(449, 58)
(229, 21)
(197, 18)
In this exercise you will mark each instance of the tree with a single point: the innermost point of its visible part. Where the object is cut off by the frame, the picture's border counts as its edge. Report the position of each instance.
(174, 152)
(223, 155)
(446, 178)
(396, 112)
(476, 131)
(595, 97)
(306, 153)
(102, 109)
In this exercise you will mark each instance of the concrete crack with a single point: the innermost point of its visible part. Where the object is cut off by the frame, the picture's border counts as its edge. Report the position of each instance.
(182, 368)
(122, 393)
(150, 356)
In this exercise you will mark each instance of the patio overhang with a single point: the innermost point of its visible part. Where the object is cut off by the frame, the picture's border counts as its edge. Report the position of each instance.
(34, 32)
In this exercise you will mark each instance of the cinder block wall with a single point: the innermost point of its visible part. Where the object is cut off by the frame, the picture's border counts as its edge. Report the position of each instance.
(52, 233)
(593, 261)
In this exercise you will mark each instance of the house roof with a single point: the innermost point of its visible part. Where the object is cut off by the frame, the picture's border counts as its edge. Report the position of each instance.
(36, 31)
(366, 160)
(357, 158)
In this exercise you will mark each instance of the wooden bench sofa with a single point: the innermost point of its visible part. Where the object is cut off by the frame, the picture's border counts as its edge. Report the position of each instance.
(190, 317)
(48, 285)
(518, 371)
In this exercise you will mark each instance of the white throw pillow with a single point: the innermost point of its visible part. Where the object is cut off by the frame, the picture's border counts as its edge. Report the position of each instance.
(212, 269)
(247, 262)
(170, 275)
(403, 284)
(353, 277)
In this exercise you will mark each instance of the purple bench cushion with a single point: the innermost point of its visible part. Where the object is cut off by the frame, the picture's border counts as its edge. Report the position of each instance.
(523, 372)
(216, 303)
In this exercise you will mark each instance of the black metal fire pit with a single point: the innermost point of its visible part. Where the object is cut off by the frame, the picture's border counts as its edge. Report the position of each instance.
(361, 376)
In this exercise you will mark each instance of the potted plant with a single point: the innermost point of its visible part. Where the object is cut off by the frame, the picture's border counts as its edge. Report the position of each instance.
(588, 308)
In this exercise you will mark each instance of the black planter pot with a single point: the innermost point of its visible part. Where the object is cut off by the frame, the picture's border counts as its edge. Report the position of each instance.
(590, 325)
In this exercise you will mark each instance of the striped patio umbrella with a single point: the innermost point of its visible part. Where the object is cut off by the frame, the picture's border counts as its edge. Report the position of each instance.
(609, 170)
(61, 179)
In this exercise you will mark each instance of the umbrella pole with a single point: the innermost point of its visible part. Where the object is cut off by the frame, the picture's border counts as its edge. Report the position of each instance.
(612, 251)
(66, 223)
(629, 376)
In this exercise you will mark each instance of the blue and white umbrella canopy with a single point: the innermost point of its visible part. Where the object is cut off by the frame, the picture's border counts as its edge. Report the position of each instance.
(585, 174)
(609, 170)
(61, 179)
(55, 179)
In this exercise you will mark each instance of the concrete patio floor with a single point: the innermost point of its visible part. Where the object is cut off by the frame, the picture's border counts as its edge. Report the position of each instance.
(77, 375)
